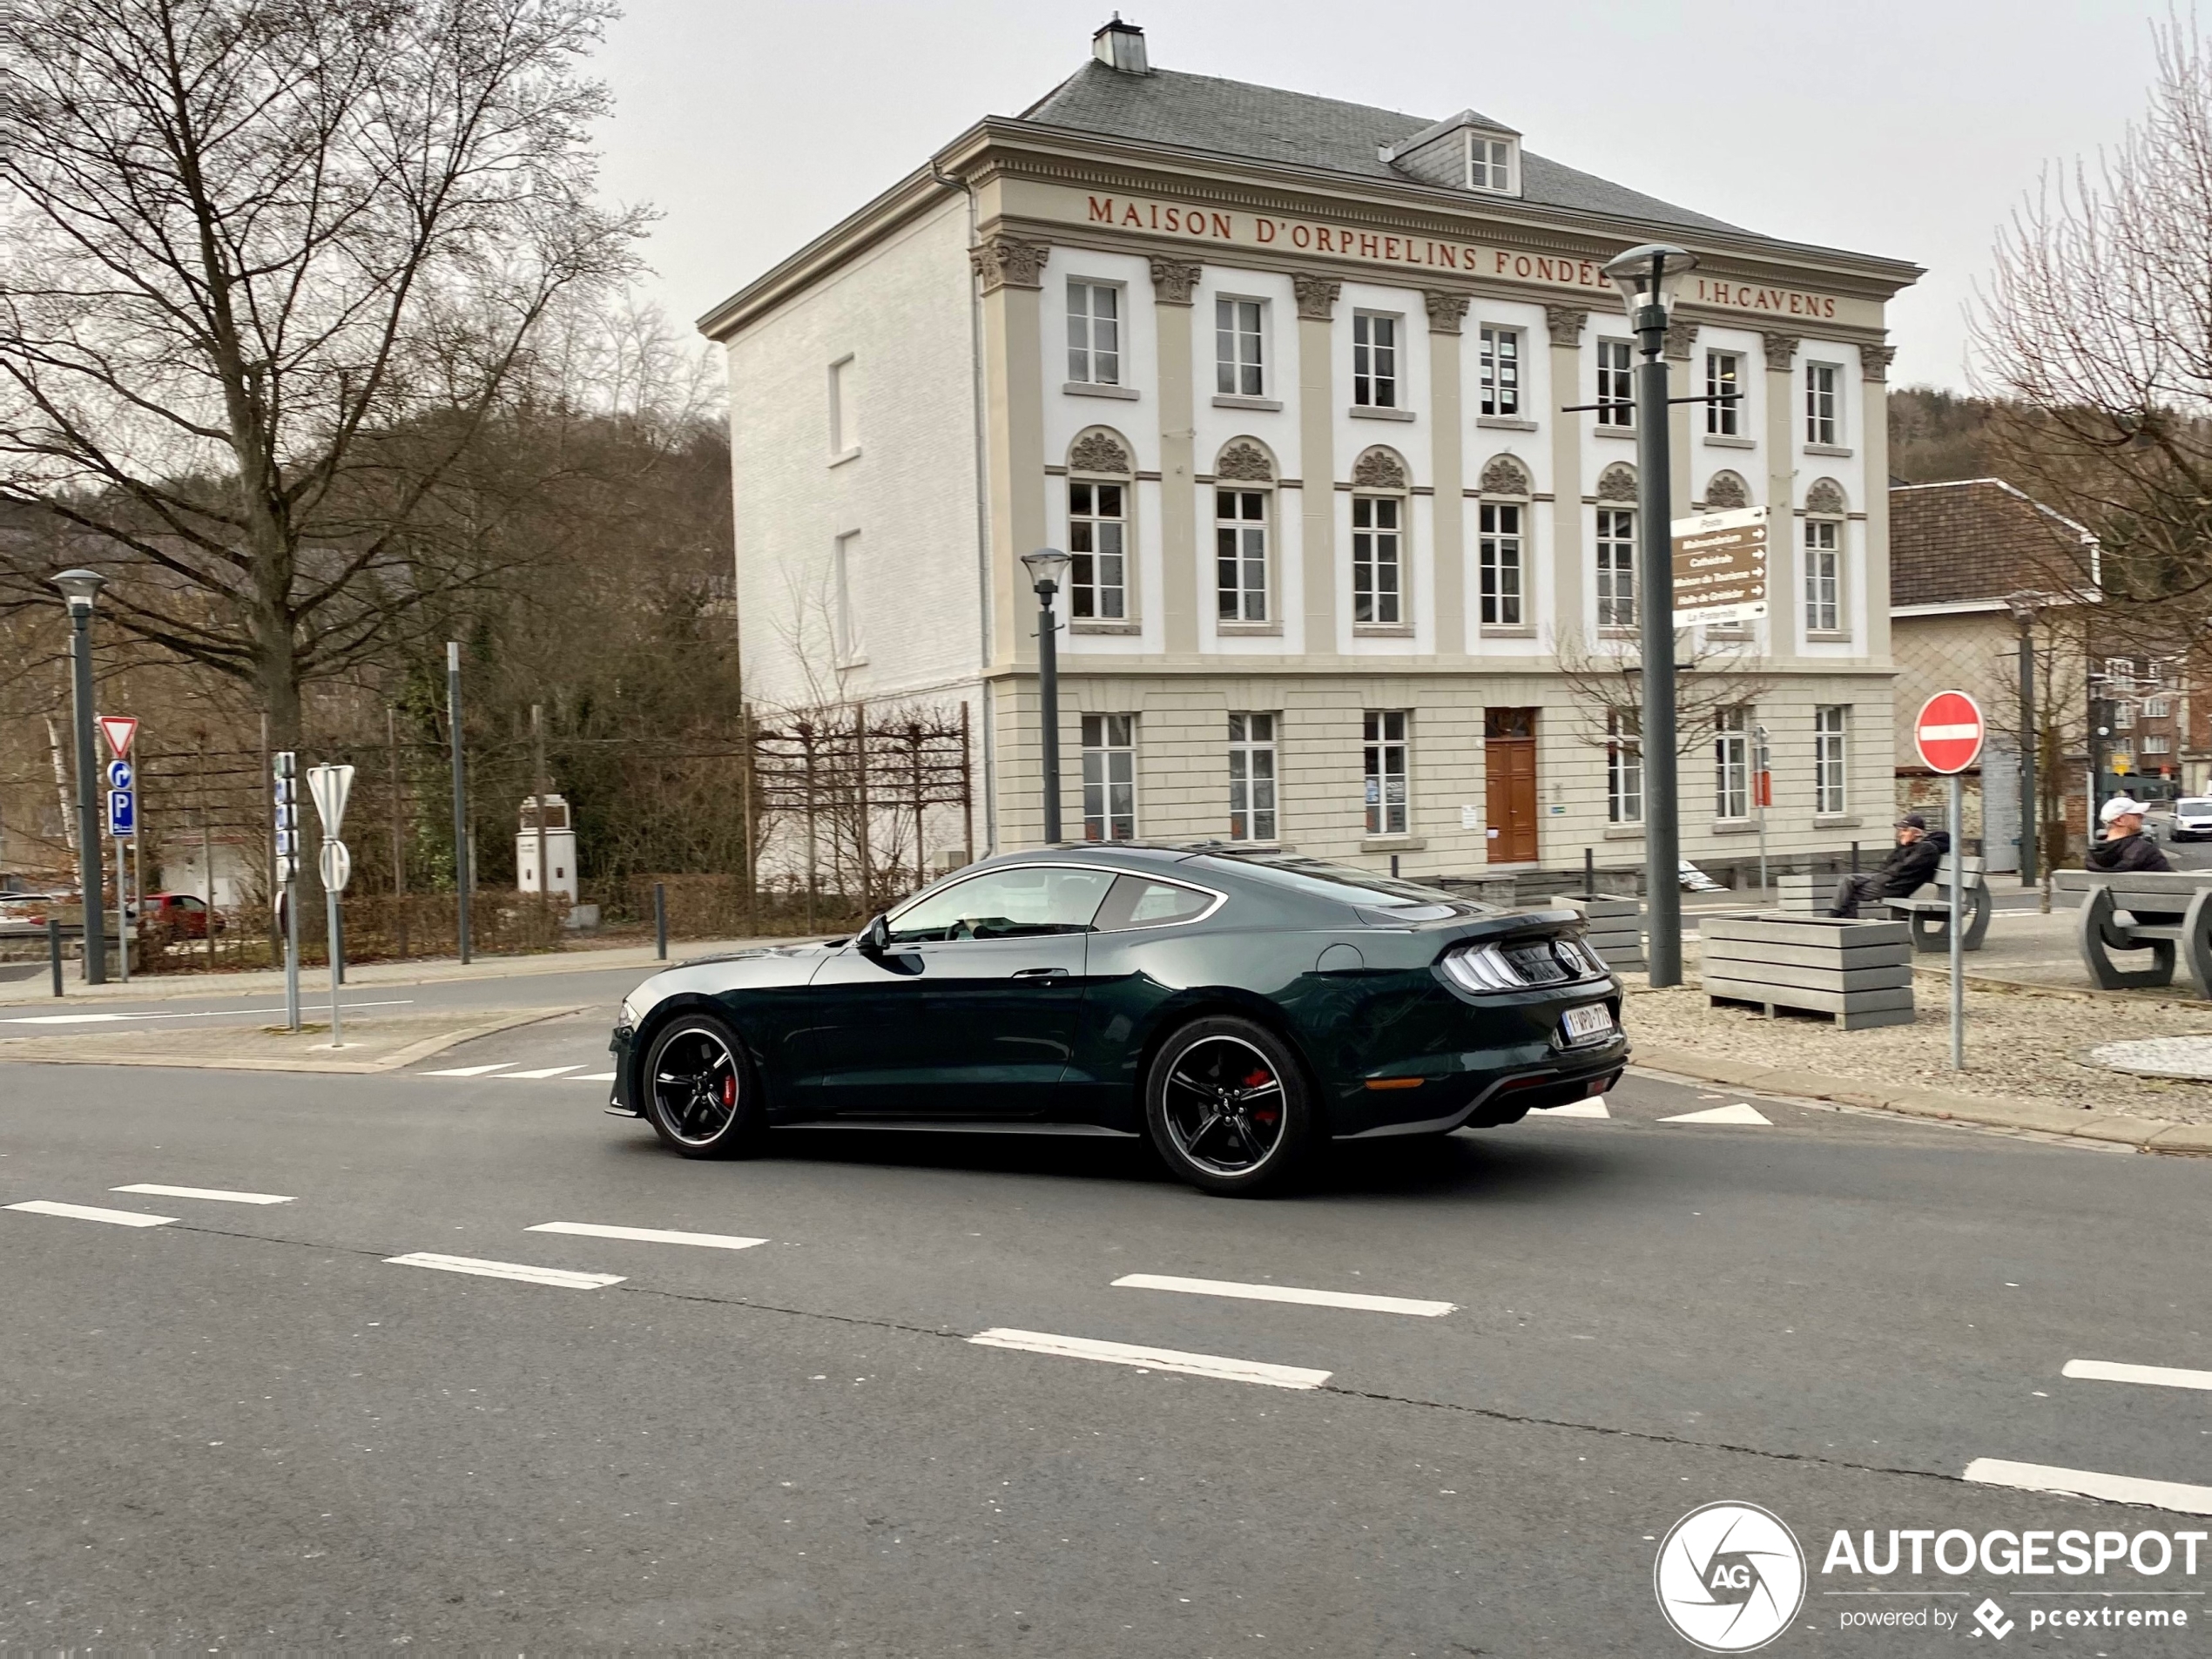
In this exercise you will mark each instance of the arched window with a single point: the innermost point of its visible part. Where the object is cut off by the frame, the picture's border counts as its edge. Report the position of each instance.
(1826, 507)
(1243, 523)
(1616, 547)
(1726, 491)
(1501, 529)
(1379, 504)
(1098, 489)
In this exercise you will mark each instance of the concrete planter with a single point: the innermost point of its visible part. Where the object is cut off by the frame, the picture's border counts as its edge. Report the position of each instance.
(1859, 972)
(1803, 894)
(1614, 927)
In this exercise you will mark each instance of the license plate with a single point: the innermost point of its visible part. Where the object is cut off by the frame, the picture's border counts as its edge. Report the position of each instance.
(1585, 1023)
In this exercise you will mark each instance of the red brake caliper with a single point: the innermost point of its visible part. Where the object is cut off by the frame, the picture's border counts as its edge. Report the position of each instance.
(1265, 1114)
(730, 1091)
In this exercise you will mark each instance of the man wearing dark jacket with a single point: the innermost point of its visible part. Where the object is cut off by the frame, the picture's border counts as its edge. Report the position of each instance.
(1914, 863)
(2125, 846)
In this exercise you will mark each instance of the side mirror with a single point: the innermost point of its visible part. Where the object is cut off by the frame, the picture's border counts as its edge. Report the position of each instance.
(874, 939)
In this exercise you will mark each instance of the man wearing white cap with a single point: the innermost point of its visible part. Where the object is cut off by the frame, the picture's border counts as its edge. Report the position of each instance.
(2125, 846)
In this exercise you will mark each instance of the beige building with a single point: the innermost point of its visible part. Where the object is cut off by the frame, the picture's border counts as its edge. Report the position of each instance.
(1285, 375)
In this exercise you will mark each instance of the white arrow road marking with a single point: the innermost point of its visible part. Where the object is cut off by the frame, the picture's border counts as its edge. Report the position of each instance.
(2156, 1376)
(1284, 1293)
(594, 1077)
(188, 1013)
(1123, 1353)
(1578, 1109)
(548, 1071)
(523, 1271)
(646, 1235)
(213, 1195)
(468, 1071)
(2088, 1483)
(1742, 1112)
(87, 1212)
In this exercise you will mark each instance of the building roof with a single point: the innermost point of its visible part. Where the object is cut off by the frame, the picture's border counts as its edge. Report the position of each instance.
(1266, 123)
(1974, 541)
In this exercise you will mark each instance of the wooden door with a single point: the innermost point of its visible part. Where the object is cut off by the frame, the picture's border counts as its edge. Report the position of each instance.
(1509, 773)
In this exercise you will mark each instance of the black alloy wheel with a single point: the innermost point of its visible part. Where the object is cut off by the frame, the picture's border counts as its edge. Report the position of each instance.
(1229, 1106)
(699, 1095)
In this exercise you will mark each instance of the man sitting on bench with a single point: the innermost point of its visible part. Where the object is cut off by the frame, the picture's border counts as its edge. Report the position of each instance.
(1913, 864)
(2127, 849)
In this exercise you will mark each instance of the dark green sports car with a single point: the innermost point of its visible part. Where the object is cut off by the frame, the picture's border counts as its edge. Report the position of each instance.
(1241, 1010)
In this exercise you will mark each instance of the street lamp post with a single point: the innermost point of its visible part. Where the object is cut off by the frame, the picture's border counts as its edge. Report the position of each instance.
(80, 588)
(1047, 568)
(1647, 278)
(2023, 606)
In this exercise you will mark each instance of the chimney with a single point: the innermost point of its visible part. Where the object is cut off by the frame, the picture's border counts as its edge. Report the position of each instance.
(1122, 46)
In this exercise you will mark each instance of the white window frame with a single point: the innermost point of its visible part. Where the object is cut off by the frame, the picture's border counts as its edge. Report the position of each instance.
(844, 413)
(1094, 342)
(2123, 715)
(1499, 358)
(1824, 552)
(845, 647)
(1109, 777)
(1623, 768)
(1824, 404)
(1501, 563)
(2156, 743)
(1240, 352)
(2156, 708)
(1614, 559)
(1376, 338)
(1494, 164)
(1378, 561)
(1240, 601)
(1385, 736)
(1616, 384)
(1253, 774)
(1732, 763)
(1098, 549)
(1724, 373)
(1830, 759)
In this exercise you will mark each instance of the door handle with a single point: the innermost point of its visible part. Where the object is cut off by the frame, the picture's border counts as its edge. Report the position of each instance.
(1040, 973)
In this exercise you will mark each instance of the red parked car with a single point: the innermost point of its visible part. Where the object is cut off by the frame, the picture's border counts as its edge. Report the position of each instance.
(176, 915)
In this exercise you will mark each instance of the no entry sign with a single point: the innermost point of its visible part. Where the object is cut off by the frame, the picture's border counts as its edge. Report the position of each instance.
(1949, 733)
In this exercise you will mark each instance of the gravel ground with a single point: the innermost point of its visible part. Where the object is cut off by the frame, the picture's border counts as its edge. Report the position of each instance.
(2020, 1045)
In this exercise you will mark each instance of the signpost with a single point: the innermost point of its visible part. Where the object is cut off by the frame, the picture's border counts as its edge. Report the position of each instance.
(330, 785)
(1720, 568)
(1949, 734)
(284, 788)
(121, 731)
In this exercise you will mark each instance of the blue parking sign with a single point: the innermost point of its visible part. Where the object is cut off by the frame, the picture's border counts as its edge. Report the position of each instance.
(121, 814)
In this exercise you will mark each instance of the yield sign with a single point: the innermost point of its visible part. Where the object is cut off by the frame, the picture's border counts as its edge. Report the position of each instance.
(119, 730)
(1949, 731)
(330, 785)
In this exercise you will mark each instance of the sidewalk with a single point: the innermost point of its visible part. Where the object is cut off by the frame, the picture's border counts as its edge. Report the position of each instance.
(266, 981)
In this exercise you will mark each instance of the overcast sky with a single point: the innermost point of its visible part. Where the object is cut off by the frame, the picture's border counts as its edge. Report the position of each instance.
(1902, 127)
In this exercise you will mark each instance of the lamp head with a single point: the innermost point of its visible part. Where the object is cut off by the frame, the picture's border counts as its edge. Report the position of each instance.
(80, 587)
(1047, 568)
(1650, 275)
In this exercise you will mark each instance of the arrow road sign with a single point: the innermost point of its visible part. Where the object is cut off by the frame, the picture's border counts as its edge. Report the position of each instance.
(1720, 567)
(1949, 733)
(118, 774)
(337, 865)
(119, 730)
(330, 785)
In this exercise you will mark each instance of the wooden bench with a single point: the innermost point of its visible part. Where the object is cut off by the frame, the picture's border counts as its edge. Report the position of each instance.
(2111, 907)
(1927, 909)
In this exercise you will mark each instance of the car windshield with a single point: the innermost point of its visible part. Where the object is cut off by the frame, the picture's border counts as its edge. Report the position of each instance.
(1340, 883)
(2194, 807)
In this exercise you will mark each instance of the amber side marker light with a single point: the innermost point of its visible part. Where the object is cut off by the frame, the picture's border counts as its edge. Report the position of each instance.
(1396, 1082)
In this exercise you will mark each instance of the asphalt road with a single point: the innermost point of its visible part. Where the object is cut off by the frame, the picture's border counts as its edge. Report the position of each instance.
(249, 1428)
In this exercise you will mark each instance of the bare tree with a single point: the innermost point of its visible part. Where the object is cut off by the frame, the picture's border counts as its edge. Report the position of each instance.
(269, 266)
(2097, 322)
(1607, 684)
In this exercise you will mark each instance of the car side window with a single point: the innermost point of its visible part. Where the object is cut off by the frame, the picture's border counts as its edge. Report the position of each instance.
(1019, 903)
(1137, 901)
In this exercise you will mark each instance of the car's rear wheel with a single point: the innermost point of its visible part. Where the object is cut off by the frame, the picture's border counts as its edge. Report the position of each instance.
(1228, 1107)
(698, 1092)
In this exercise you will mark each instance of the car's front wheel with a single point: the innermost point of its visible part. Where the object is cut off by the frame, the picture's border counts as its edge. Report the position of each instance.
(1228, 1107)
(698, 1093)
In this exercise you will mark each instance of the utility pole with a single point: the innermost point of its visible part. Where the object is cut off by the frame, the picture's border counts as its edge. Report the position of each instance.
(2031, 807)
(461, 844)
(80, 588)
(537, 789)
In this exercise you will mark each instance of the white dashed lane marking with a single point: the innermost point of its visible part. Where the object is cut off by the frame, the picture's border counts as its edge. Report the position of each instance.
(2088, 1483)
(1284, 1293)
(469, 1071)
(213, 1195)
(1742, 1112)
(522, 1272)
(2156, 1376)
(88, 1213)
(1123, 1353)
(647, 1235)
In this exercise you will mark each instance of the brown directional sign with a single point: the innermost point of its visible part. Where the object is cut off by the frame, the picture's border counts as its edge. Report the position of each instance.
(1720, 567)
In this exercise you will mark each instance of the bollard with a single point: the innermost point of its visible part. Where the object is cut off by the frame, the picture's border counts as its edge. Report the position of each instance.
(1393, 867)
(1589, 873)
(660, 920)
(54, 950)
(1854, 858)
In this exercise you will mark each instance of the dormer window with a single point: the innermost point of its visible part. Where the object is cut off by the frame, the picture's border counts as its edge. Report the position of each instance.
(1490, 165)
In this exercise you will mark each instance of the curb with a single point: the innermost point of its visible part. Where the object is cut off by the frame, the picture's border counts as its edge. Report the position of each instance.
(421, 1050)
(2145, 1134)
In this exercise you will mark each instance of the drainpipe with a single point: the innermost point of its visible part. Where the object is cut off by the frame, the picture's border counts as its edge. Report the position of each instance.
(982, 504)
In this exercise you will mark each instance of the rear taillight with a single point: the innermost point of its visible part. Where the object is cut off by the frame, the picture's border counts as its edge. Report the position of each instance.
(1521, 965)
